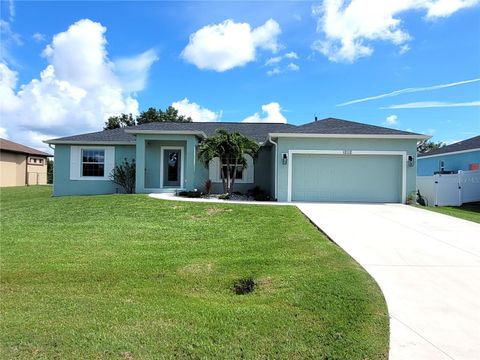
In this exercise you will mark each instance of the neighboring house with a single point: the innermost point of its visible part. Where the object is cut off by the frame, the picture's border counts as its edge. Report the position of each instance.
(21, 165)
(463, 155)
(326, 160)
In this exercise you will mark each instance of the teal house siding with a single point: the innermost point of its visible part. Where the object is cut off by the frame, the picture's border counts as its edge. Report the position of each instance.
(289, 143)
(452, 162)
(62, 185)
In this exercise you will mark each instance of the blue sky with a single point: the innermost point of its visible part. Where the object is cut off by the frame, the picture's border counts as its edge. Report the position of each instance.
(272, 61)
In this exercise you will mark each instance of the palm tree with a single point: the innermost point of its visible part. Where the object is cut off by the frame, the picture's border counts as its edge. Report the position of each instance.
(231, 149)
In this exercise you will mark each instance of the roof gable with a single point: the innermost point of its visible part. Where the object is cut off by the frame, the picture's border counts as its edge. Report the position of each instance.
(8, 145)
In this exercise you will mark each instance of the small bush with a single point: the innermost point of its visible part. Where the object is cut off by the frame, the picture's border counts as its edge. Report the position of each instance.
(243, 286)
(259, 194)
(190, 194)
(224, 197)
(208, 187)
(124, 175)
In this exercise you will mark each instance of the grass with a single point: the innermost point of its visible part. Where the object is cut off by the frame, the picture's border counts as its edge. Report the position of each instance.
(468, 211)
(129, 277)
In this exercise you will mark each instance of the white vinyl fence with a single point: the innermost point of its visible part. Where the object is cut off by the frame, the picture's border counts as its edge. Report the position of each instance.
(450, 189)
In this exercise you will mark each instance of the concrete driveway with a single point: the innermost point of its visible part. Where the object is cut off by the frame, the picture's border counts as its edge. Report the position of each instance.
(428, 267)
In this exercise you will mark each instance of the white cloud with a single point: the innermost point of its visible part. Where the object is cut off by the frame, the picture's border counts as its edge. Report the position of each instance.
(227, 45)
(196, 112)
(11, 10)
(39, 37)
(293, 67)
(133, 71)
(3, 133)
(408, 91)
(291, 55)
(272, 114)
(432, 104)
(391, 120)
(349, 27)
(75, 93)
(9, 39)
(273, 60)
(275, 71)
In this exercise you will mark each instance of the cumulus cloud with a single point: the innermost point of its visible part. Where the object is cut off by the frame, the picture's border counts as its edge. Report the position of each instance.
(349, 27)
(227, 45)
(133, 71)
(76, 92)
(391, 120)
(196, 112)
(271, 113)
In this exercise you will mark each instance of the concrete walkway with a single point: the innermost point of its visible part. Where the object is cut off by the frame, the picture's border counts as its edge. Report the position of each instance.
(426, 264)
(428, 267)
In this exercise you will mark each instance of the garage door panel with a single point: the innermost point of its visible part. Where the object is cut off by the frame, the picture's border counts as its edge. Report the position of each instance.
(344, 178)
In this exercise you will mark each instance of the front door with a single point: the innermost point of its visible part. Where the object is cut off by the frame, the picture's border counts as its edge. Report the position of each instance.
(172, 165)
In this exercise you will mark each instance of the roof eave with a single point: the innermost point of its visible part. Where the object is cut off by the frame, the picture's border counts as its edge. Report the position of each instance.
(168, 132)
(449, 153)
(351, 136)
(87, 142)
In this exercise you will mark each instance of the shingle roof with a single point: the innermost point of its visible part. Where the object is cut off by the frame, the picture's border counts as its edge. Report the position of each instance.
(8, 145)
(256, 131)
(468, 144)
(343, 127)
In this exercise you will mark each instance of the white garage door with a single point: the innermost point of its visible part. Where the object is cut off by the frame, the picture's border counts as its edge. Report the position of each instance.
(346, 178)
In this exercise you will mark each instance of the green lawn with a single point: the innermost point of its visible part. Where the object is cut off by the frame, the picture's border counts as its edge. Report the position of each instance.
(129, 277)
(468, 211)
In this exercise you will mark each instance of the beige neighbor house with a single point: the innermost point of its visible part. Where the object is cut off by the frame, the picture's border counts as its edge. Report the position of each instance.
(21, 165)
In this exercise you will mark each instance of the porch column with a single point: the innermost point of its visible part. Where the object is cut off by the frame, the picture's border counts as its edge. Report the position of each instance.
(140, 165)
(190, 160)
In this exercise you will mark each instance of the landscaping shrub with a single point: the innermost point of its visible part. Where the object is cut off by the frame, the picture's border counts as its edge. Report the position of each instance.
(190, 194)
(224, 197)
(243, 286)
(124, 175)
(259, 194)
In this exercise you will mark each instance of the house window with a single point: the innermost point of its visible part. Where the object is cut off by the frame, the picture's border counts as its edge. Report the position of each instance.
(238, 171)
(93, 162)
(36, 161)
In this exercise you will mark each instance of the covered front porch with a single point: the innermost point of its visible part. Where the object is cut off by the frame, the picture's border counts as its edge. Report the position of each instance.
(165, 162)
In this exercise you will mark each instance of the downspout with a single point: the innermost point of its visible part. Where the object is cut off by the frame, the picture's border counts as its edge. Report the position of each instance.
(276, 164)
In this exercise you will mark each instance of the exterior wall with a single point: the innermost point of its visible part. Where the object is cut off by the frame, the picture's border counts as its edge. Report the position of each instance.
(286, 144)
(37, 173)
(453, 162)
(152, 161)
(62, 185)
(262, 175)
(12, 169)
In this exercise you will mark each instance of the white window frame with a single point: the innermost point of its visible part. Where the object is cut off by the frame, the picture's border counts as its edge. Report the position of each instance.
(76, 162)
(403, 154)
(182, 166)
(248, 174)
(32, 160)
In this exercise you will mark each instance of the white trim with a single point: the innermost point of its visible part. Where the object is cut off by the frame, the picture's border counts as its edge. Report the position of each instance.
(349, 136)
(403, 154)
(447, 153)
(76, 162)
(182, 166)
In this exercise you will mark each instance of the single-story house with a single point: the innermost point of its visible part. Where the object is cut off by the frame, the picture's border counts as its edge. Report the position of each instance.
(463, 155)
(21, 165)
(326, 160)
